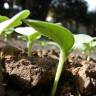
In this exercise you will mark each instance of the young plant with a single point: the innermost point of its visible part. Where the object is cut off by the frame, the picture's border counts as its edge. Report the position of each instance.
(7, 25)
(61, 36)
(29, 34)
(85, 43)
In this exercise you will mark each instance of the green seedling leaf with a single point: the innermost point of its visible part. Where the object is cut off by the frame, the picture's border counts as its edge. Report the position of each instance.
(85, 43)
(29, 34)
(91, 46)
(61, 36)
(6, 33)
(26, 31)
(80, 39)
(3, 18)
(14, 21)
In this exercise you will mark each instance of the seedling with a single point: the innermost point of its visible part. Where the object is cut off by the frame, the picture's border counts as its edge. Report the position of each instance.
(61, 36)
(7, 25)
(85, 43)
(29, 34)
(7, 33)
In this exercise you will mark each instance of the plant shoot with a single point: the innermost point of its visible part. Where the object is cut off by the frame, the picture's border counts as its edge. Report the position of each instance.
(61, 36)
(29, 34)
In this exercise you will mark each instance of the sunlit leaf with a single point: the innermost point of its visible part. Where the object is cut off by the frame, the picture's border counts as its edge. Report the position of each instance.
(25, 30)
(59, 34)
(80, 39)
(30, 32)
(14, 21)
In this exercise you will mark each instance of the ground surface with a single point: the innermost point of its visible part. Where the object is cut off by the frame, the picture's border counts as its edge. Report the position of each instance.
(24, 76)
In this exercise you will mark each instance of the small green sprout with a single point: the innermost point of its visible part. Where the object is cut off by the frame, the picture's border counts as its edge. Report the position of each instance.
(85, 43)
(61, 36)
(29, 34)
(7, 33)
(7, 25)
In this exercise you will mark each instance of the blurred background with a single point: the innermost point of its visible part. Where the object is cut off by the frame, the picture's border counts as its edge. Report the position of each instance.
(77, 15)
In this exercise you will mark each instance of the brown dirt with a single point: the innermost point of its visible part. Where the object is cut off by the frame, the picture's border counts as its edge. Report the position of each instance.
(24, 76)
(85, 75)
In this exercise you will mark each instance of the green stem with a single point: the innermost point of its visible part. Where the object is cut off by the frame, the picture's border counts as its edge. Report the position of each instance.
(29, 46)
(5, 38)
(88, 55)
(58, 72)
(88, 58)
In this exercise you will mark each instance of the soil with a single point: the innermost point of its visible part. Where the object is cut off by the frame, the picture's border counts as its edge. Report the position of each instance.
(21, 75)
